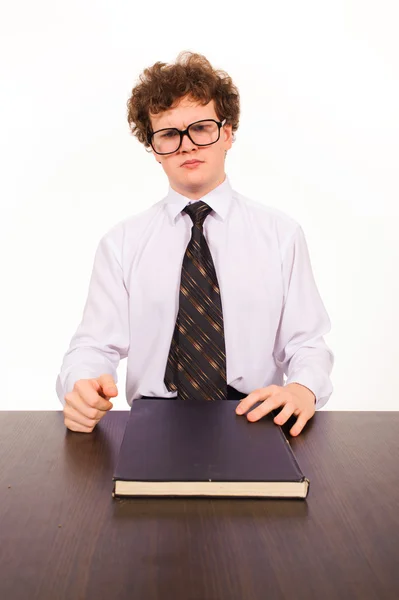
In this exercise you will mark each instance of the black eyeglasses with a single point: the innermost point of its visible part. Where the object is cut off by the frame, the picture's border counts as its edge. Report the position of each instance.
(201, 133)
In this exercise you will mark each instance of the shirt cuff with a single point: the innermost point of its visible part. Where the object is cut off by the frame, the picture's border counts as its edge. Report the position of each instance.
(66, 386)
(317, 382)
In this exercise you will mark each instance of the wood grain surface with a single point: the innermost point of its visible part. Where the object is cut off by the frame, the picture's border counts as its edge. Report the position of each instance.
(63, 536)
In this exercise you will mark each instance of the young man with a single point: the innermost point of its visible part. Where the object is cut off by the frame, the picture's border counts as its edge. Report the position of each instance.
(208, 294)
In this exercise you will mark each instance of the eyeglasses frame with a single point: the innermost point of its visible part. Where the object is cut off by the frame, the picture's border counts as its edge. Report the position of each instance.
(182, 133)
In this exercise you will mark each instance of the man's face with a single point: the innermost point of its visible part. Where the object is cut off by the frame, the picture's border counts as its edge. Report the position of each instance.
(197, 180)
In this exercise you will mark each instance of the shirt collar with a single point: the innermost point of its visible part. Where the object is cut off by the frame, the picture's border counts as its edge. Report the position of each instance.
(218, 199)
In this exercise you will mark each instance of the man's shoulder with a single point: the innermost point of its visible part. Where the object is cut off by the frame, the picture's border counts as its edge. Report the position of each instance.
(138, 219)
(267, 215)
(133, 223)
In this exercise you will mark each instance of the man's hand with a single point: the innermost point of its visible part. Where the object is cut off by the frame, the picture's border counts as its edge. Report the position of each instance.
(88, 402)
(295, 399)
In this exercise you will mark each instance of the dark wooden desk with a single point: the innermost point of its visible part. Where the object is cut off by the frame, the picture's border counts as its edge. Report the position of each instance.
(63, 536)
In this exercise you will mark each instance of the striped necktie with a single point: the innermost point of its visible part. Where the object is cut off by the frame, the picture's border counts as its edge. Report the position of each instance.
(196, 365)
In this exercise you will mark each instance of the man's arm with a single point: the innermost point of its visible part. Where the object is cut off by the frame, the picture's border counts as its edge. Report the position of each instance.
(300, 348)
(102, 338)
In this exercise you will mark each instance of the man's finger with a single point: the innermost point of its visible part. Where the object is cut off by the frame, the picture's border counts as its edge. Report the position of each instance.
(87, 393)
(254, 397)
(284, 414)
(300, 423)
(73, 426)
(81, 407)
(108, 385)
(267, 406)
(77, 417)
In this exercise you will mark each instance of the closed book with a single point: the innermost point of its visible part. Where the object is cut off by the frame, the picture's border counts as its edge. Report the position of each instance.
(174, 447)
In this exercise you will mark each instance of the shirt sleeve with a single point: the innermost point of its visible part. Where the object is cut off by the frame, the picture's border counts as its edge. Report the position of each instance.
(300, 348)
(102, 337)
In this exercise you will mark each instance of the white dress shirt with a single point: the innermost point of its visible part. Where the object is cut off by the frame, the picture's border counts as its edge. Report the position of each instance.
(274, 319)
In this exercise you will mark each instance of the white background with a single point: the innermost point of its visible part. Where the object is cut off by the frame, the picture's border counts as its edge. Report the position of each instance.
(318, 139)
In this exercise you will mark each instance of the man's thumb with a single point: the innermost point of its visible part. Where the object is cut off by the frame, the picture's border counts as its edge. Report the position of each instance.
(108, 385)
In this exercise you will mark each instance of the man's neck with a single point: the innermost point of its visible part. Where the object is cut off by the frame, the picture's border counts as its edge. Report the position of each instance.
(196, 194)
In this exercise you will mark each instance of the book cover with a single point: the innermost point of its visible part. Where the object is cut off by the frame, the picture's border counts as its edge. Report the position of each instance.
(197, 448)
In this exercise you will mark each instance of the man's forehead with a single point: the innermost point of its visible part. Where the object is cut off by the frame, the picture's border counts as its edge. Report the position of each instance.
(183, 113)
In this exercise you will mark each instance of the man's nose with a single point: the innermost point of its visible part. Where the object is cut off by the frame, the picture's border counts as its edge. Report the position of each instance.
(186, 143)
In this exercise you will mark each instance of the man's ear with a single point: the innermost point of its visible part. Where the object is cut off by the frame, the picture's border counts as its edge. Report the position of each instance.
(228, 133)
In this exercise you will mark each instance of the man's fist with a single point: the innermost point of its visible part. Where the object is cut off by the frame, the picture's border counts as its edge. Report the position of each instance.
(88, 402)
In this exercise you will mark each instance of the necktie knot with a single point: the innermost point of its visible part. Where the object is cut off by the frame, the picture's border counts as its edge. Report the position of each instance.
(198, 211)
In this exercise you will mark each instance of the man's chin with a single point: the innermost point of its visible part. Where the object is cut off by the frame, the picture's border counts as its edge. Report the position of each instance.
(194, 180)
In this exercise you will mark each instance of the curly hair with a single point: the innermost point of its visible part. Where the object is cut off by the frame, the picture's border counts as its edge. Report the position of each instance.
(162, 85)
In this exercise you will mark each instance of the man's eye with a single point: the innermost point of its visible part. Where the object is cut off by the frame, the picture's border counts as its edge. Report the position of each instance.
(169, 134)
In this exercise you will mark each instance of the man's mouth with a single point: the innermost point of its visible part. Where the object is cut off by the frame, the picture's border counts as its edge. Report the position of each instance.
(192, 163)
